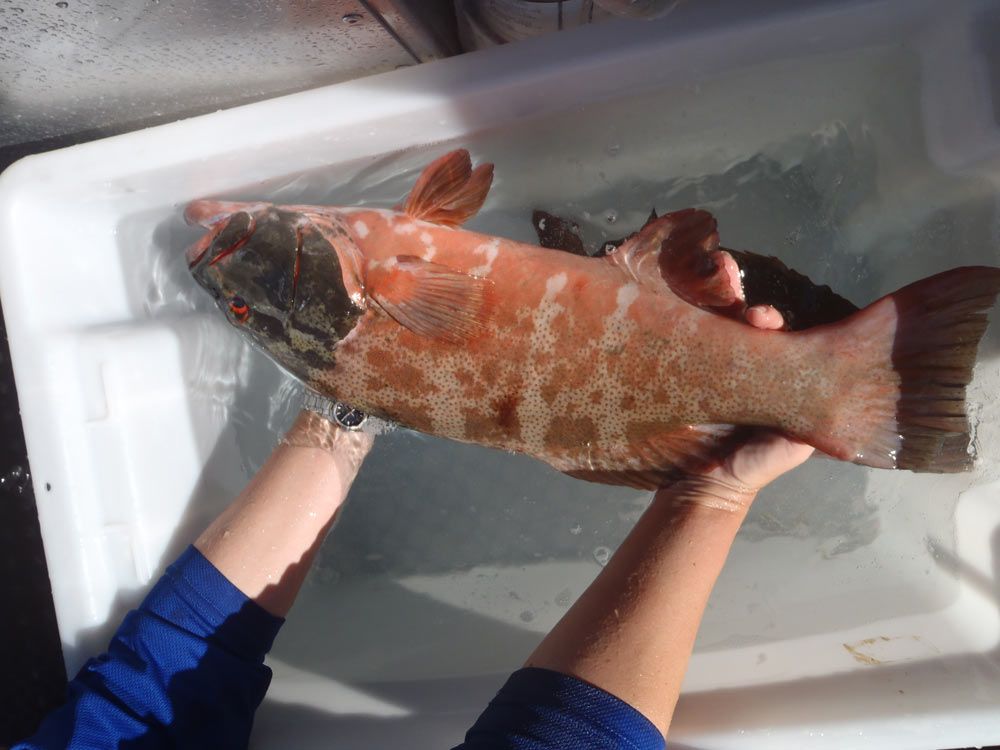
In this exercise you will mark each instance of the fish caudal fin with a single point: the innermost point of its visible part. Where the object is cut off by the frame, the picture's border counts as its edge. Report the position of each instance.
(906, 361)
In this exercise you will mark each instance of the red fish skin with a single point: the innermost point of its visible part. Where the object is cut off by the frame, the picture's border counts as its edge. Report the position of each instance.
(579, 364)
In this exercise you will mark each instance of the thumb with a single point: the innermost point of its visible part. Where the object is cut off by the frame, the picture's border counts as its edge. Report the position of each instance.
(765, 457)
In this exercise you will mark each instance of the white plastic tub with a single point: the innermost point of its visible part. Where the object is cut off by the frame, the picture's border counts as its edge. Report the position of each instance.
(858, 141)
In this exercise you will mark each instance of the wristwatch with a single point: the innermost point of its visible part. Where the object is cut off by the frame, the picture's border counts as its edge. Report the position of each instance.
(339, 413)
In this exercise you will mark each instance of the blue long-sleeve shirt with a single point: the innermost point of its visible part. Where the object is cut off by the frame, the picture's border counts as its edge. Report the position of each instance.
(186, 669)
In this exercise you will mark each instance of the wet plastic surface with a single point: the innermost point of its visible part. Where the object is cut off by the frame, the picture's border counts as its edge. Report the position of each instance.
(858, 608)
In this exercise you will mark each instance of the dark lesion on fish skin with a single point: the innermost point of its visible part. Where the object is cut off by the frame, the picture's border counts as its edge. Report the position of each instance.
(572, 431)
(505, 414)
(404, 376)
(766, 280)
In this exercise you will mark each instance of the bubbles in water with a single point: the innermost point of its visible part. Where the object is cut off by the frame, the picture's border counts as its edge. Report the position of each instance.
(611, 216)
(602, 554)
(16, 480)
(614, 149)
(576, 529)
(527, 616)
(62, 4)
(564, 598)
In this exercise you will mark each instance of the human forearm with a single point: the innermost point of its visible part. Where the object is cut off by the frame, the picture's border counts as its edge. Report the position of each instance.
(631, 633)
(265, 541)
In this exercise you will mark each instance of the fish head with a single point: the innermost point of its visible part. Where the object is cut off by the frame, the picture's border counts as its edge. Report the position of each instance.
(278, 283)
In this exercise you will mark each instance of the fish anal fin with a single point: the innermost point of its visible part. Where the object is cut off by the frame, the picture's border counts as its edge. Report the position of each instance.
(681, 250)
(449, 191)
(430, 299)
(660, 460)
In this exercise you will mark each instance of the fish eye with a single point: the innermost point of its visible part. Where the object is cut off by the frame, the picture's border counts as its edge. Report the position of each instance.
(239, 308)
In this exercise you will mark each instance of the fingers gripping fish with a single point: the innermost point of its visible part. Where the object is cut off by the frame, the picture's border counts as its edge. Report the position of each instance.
(625, 369)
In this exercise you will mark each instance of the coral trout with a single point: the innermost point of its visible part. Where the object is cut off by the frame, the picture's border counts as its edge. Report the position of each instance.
(626, 369)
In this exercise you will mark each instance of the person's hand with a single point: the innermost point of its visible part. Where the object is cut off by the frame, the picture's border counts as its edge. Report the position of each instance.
(768, 454)
(734, 483)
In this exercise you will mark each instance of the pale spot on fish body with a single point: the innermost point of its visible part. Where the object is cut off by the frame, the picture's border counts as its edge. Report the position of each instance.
(361, 229)
(386, 214)
(447, 413)
(408, 227)
(430, 250)
(541, 340)
(617, 330)
(491, 250)
(554, 285)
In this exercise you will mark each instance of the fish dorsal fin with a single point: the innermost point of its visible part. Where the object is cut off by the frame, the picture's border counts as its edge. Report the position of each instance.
(428, 298)
(449, 191)
(662, 459)
(679, 251)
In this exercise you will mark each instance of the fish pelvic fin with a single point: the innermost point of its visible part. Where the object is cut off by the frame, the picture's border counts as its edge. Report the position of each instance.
(449, 191)
(430, 299)
(661, 459)
(908, 358)
(680, 251)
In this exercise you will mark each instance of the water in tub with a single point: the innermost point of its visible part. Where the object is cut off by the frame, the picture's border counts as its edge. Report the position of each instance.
(445, 548)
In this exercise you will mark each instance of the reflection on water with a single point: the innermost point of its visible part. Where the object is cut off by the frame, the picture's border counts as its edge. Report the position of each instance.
(836, 183)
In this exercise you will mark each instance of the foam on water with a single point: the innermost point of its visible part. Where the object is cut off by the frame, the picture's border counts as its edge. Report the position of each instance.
(836, 182)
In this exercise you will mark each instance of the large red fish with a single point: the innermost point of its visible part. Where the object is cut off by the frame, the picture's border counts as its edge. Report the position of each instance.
(623, 369)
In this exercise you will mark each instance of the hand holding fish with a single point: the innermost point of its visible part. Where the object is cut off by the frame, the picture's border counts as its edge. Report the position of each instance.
(733, 484)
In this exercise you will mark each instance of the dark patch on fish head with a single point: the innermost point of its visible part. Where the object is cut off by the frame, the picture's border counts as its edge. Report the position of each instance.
(323, 308)
(281, 286)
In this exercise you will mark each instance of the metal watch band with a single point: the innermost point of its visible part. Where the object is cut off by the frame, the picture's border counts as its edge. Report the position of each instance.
(337, 412)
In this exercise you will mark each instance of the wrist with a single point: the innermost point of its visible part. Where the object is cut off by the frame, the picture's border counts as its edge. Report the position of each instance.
(313, 430)
(721, 497)
(337, 412)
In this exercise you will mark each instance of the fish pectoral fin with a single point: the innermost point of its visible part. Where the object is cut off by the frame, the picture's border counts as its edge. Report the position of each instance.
(680, 251)
(430, 299)
(449, 191)
(663, 459)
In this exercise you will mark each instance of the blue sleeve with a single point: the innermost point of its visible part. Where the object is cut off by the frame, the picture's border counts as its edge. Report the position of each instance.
(186, 669)
(538, 709)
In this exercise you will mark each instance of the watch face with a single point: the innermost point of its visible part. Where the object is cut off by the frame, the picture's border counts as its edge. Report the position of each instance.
(348, 417)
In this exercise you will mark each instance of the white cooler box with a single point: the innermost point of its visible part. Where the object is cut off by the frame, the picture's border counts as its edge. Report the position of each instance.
(857, 141)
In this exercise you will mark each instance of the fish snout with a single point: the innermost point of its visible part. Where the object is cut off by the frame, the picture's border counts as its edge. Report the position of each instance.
(215, 216)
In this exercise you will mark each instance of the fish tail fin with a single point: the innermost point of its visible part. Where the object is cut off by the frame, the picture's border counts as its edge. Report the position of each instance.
(905, 362)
